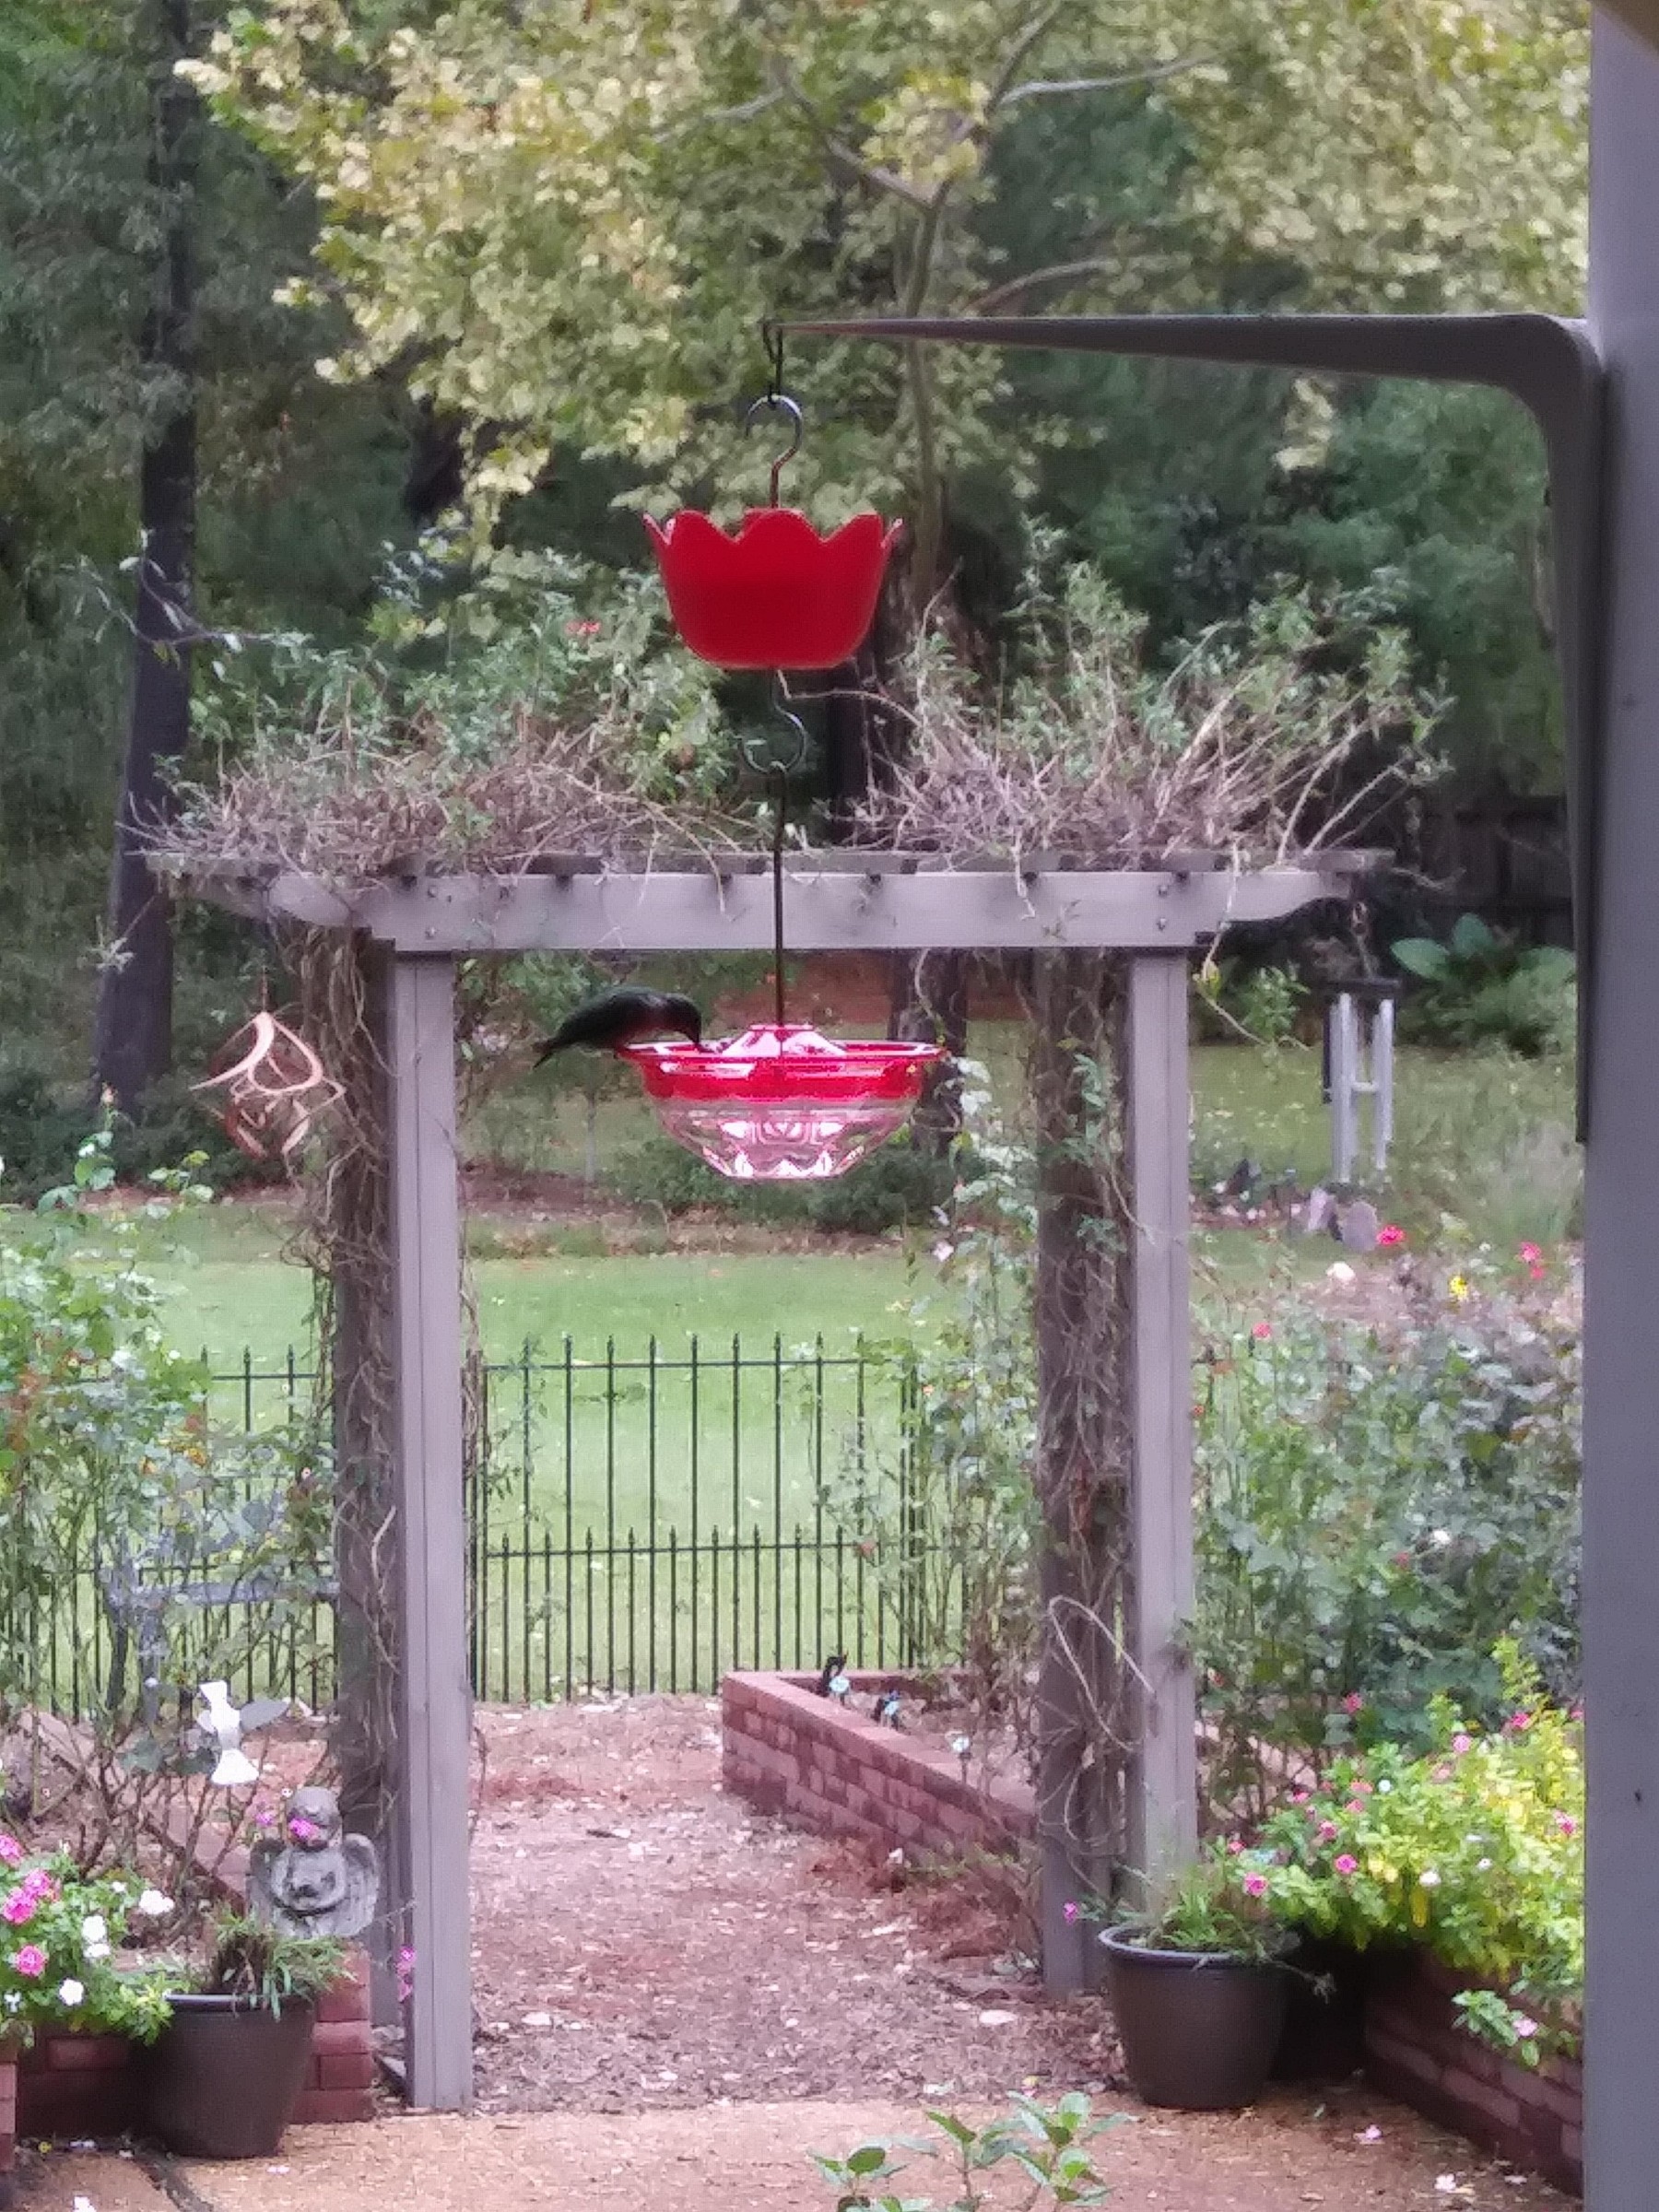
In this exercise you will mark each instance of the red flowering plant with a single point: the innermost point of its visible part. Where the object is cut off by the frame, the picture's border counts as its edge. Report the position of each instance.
(1474, 1851)
(60, 1935)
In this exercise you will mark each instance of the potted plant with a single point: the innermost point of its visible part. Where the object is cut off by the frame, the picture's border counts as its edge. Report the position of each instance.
(227, 2069)
(1198, 1986)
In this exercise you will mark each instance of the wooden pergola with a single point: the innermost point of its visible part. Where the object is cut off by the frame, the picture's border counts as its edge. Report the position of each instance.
(421, 927)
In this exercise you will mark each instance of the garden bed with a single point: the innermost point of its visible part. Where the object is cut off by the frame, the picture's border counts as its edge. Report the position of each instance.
(835, 1769)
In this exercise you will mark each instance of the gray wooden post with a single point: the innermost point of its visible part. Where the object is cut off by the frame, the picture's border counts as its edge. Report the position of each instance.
(434, 1701)
(1162, 1808)
(1621, 1314)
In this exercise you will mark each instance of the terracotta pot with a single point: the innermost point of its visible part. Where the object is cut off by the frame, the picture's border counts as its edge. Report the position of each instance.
(1199, 2029)
(224, 2075)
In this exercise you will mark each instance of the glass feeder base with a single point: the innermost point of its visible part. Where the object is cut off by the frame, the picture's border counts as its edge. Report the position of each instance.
(787, 1144)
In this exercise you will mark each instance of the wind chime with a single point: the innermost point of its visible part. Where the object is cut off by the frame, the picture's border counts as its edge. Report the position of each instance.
(782, 1102)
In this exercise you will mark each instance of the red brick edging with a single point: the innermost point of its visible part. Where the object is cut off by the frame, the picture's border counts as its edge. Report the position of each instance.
(70, 2085)
(1417, 2050)
(785, 1749)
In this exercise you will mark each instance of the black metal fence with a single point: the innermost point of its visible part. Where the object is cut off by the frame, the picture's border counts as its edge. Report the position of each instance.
(647, 1522)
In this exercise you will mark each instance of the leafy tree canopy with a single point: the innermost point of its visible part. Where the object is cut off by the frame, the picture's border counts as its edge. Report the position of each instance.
(565, 222)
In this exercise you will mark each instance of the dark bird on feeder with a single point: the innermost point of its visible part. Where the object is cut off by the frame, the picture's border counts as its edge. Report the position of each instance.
(886, 1709)
(625, 1016)
(832, 1667)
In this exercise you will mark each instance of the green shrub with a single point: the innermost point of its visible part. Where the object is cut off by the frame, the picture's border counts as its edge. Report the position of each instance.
(1378, 1509)
(1481, 987)
(43, 1127)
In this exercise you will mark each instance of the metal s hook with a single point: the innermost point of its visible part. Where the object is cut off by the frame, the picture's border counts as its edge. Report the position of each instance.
(779, 403)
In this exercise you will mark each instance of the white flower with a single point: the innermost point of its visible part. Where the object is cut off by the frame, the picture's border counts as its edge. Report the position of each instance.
(1339, 1272)
(1441, 1537)
(154, 1905)
(118, 1888)
(1384, 1787)
(1428, 1879)
(14, 2002)
(71, 1993)
(94, 1928)
(942, 1252)
(1483, 1865)
(98, 1950)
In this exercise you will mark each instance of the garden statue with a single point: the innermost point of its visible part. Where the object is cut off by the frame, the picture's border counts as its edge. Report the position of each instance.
(313, 1879)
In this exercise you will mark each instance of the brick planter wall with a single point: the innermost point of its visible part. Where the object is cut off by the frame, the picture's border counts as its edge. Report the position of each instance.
(70, 2085)
(787, 1750)
(1416, 2049)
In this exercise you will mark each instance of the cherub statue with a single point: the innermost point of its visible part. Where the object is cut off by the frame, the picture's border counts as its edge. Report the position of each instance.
(313, 1879)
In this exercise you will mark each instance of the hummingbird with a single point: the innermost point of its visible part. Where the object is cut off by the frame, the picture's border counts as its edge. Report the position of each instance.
(612, 1019)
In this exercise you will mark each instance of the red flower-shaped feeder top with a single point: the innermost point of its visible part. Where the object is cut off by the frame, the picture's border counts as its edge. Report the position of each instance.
(783, 1103)
(778, 594)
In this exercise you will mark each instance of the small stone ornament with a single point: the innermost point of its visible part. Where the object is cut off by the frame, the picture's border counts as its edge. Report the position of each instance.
(313, 1879)
(886, 1709)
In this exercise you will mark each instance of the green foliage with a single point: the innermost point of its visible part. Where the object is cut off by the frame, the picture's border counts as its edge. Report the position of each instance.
(1048, 2144)
(803, 159)
(1378, 1507)
(41, 1136)
(56, 1960)
(1215, 1908)
(1473, 1849)
(1263, 1004)
(1481, 987)
(251, 1959)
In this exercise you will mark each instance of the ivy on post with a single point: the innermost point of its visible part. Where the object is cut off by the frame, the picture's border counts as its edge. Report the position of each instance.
(1083, 1458)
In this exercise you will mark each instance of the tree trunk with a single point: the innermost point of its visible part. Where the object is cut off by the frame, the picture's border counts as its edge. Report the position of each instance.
(1084, 1716)
(132, 1036)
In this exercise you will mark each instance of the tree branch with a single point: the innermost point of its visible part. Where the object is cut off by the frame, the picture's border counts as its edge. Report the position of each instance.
(1059, 272)
(1152, 74)
(879, 180)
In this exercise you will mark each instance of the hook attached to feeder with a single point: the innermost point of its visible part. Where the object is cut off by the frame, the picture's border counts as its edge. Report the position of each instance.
(779, 403)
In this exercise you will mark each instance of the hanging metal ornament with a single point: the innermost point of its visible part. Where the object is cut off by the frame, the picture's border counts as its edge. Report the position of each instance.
(782, 1102)
(273, 1089)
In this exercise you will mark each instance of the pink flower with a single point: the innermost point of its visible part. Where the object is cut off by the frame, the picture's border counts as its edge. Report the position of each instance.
(1345, 1864)
(581, 630)
(1235, 1844)
(1460, 1744)
(1353, 1703)
(11, 1851)
(1389, 1234)
(30, 1961)
(1326, 1831)
(1524, 2028)
(1520, 1723)
(1361, 1788)
(1255, 1885)
(1566, 1825)
(18, 1907)
(304, 1830)
(1300, 1797)
(1070, 1912)
(1530, 1255)
(1262, 1331)
(1441, 1773)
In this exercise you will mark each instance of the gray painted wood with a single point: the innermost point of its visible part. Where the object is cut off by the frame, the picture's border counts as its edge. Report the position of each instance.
(434, 1700)
(827, 909)
(1622, 1332)
(1162, 1810)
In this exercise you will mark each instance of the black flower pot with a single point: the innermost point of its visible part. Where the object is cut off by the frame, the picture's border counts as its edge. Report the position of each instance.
(1324, 2014)
(224, 2075)
(1199, 2029)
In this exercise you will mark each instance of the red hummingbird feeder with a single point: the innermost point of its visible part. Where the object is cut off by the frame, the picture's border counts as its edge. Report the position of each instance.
(782, 1102)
